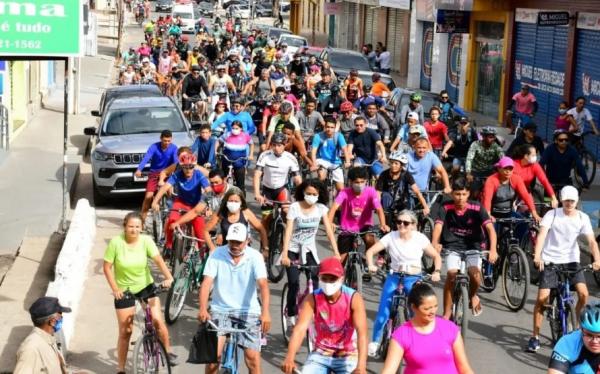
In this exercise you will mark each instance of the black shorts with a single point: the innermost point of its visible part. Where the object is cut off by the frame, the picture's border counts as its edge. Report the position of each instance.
(128, 300)
(344, 241)
(549, 277)
(280, 194)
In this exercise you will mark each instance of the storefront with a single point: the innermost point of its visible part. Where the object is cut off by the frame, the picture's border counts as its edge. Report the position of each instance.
(348, 27)
(397, 40)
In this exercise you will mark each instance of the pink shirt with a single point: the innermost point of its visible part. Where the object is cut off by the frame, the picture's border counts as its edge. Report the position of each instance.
(430, 353)
(334, 326)
(524, 104)
(356, 212)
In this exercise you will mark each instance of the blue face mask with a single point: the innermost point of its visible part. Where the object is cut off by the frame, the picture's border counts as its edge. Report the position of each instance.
(58, 325)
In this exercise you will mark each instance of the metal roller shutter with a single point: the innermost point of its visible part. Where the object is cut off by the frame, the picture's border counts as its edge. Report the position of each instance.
(426, 56)
(587, 78)
(371, 23)
(396, 39)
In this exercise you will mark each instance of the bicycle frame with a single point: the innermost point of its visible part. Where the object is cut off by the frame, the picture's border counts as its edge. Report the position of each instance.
(230, 359)
(148, 330)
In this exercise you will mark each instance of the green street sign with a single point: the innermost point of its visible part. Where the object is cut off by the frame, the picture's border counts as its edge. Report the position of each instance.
(51, 28)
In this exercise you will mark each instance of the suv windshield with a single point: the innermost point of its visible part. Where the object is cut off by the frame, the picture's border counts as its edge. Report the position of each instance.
(426, 101)
(350, 61)
(293, 42)
(183, 15)
(142, 121)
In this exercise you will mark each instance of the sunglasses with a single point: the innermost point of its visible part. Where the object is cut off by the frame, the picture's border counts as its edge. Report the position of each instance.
(403, 223)
(445, 97)
(562, 140)
(187, 167)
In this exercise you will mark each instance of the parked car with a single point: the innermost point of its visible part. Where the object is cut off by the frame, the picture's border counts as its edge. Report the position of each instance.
(240, 10)
(233, 2)
(275, 32)
(344, 60)
(294, 42)
(401, 97)
(120, 92)
(118, 144)
(262, 10)
(163, 6)
(206, 9)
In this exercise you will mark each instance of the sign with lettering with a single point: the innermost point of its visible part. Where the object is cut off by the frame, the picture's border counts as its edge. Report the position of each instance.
(546, 80)
(333, 9)
(51, 28)
(452, 21)
(553, 18)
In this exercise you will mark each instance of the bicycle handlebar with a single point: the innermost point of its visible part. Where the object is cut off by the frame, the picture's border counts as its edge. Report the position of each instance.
(561, 269)
(180, 232)
(347, 232)
(232, 330)
(464, 254)
(229, 160)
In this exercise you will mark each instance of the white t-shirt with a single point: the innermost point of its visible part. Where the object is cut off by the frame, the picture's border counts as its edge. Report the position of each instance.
(405, 254)
(277, 169)
(306, 226)
(561, 245)
(580, 117)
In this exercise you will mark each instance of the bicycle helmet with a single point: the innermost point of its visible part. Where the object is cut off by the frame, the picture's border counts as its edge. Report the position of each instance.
(416, 97)
(488, 130)
(186, 159)
(346, 106)
(279, 138)
(400, 157)
(285, 108)
(590, 318)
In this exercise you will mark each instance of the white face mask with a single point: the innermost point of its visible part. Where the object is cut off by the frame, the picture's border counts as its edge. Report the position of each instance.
(236, 131)
(533, 159)
(330, 289)
(311, 199)
(233, 206)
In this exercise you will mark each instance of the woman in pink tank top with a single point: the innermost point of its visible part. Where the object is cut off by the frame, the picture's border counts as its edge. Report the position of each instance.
(427, 343)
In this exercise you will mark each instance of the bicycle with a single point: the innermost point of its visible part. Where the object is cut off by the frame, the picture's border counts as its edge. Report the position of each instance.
(311, 333)
(460, 293)
(425, 225)
(230, 356)
(149, 353)
(588, 159)
(560, 309)
(330, 184)
(159, 220)
(275, 270)
(193, 114)
(355, 266)
(188, 277)
(181, 244)
(230, 177)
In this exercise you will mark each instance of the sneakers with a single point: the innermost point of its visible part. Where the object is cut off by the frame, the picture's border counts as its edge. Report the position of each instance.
(291, 322)
(533, 345)
(173, 359)
(373, 349)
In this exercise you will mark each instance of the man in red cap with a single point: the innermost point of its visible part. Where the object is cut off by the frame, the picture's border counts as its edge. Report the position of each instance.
(340, 323)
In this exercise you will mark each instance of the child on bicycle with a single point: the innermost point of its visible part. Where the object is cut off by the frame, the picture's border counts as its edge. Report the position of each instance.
(325, 154)
(204, 147)
(238, 148)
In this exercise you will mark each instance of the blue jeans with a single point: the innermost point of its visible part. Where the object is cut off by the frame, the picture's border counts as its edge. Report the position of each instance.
(319, 364)
(376, 168)
(385, 302)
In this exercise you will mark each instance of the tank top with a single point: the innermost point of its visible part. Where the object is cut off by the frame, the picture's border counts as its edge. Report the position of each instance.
(562, 123)
(225, 222)
(220, 86)
(263, 88)
(164, 65)
(194, 59)
(502, 201)
(128, 77)
(333, 323)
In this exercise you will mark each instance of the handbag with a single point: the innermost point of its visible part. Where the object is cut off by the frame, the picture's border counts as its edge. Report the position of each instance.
(203, 349)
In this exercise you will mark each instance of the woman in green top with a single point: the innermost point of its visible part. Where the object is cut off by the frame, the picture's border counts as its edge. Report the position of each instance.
(128, 254)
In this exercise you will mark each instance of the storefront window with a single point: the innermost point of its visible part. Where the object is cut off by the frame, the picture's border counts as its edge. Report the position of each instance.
(489, 41)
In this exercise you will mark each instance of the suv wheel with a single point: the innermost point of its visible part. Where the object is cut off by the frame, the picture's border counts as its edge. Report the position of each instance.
(99, 199)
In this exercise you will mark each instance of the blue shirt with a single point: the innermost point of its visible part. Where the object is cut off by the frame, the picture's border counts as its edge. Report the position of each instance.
(189, 191)
(568, 348)
(228, 118)
(366, 100)
(328, 149)
(204, 150)
(234, 286)
(159, 159)
(420, 168)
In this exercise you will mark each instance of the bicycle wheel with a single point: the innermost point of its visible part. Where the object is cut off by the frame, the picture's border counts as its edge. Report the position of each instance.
(178, 243)
(157, 227)
(589, 164)
(515, 278)
(275, 272)
(354, 277)
(596, 274)
(426, 227)
(287, 333)
(528, 247)
(570, 320)
(385, 339)
(177, 293)
(460, 308)
(490, 275)
(150, 356)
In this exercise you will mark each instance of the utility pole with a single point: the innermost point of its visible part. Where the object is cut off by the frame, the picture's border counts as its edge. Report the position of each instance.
(119, 29)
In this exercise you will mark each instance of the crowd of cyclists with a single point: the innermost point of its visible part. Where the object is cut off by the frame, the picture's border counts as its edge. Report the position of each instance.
(332, 157)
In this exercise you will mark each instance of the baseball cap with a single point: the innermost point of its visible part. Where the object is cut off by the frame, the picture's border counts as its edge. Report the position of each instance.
(414, 130)
(569, 193)
(196, 68)
(530, 126)
(413, 115)
(331, 266)
(145, 59)
(464, 119)
(505, 162)
(237, 232)
(46, 306)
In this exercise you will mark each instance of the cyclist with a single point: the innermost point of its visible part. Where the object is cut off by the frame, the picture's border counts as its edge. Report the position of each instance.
(367, 146)
(296, 146)
(232, 275)
(581, 115)
(379, 87)
(129, 76)
(204, 147)
(285, 115)
(405, 246)
(331, 104)
(460, 140)
(446, 107)
(459, 228)
(178, 70)
(325, 153)
(128, 274)
(579, 351)
(212, 199)
(411, 126)
(309, 119)
(527, 167)
(527, 136)
(483, 155)
(221, 85)
(193, 85)
(375, 121)
(297, 66)
(559, 159)
(299, 241)
(353, 86)
(367, 98)
(525, 106)
(322, 89)
(427, 343)
(189, 183)
(413, 106)
(346, 119)
(237, 144)
(437, 131)
(565, 121)
(261, 85)
(236, 114)
(357, 204)
(422, 162)
(160, 155)
(557, 244)
(340, 321)
(395, 184)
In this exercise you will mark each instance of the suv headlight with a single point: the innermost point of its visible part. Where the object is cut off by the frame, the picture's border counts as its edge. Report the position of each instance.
(101, 156)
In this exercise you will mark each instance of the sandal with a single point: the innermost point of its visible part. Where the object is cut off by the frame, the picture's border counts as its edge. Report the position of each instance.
(477, 309)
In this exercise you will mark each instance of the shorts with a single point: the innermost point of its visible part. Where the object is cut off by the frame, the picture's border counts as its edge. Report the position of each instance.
(152, 183)
(317, 363)
(376, 168)
(128, 300)
(344, 241)
(453, 260)
(337, 174)
(549, 277)
(250, 339)
(280, 194)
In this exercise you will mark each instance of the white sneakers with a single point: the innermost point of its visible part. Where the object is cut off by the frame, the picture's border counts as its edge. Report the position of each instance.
(373, 349)
(291, 322)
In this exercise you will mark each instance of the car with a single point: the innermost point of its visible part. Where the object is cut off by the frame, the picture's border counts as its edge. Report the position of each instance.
(188, 17)
(163, 5)
(206, 9)
(127, 128)
(240, 10)
(294, 42)
(284, 6)
(400, 97)
(233, 2)
(275, 32)
(262, 10)
(118, 92)
(344, 60)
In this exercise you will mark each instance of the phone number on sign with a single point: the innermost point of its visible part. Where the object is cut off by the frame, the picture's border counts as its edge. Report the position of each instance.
(21, 44)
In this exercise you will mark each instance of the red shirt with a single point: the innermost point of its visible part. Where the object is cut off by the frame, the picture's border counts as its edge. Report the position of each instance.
(436, 133)
(530, 172)
(492, 184)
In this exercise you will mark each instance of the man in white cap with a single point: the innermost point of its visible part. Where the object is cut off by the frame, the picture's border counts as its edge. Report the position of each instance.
(557, 245)
(233, 272)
